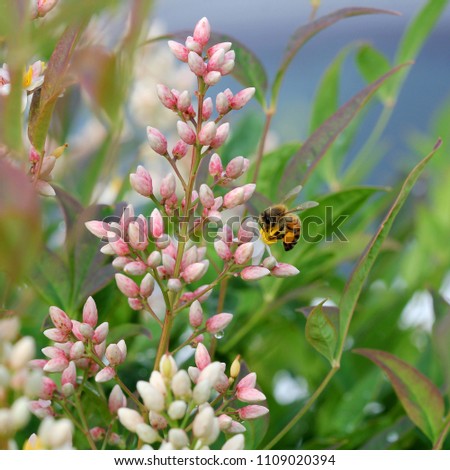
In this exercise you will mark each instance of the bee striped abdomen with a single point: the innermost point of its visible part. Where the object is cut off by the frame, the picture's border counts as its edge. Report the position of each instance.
(292, 233)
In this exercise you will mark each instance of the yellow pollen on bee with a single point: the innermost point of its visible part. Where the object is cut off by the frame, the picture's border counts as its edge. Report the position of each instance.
(27, 77)
(266, 239)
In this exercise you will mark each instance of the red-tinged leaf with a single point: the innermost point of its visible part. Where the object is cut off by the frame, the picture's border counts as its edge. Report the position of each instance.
(332, 313)
(44, 100)
(361, 271)
(320, 141)
(420, 398)
(321, 333)
(306, 32)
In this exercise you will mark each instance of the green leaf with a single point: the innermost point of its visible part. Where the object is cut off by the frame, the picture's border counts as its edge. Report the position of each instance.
(272, 168)
(44, 100)
(318, 143)
(326, 100)
(306, 32)
(371, 63)
(420, 398)
(361, 271)
(321, 332)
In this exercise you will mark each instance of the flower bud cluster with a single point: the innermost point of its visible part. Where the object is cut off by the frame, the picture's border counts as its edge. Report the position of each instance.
(180, 409)
(17, 379)
(77, 346)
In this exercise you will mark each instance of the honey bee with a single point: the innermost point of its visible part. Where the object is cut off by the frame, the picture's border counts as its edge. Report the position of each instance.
(278, 222)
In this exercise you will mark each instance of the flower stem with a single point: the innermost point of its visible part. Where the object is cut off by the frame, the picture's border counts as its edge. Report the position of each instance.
(304, 408)
(443, 434)
(269, 114)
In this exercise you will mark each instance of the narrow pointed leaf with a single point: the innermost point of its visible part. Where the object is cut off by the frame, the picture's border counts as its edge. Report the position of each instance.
(361, 271)
(45, 99)
(371, 63)
(321, 332)
(420, 398)
(312, 151)
(306, 32)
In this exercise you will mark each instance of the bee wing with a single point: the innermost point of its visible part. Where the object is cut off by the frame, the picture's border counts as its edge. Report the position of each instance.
(292, 195)
(304, 206)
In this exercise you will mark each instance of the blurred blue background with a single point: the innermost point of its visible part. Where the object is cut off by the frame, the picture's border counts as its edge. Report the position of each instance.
(266, 26)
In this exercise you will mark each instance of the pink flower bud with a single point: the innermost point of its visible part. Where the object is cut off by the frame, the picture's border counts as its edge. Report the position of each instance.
(249, 189)
(34, 156)
(242, 98)
(252, 411)
(141, 182)
(216, 61)
(206, 196)
(60, 319)
(118, 245)
(270, 262)
(97, 433)
(184, 101)
(99, 349)
(100, 333)
(234, 198)
(284, 270)
(222, 104)
(77, 350)
(202, 31)
(236, 428)
(215, 165)
(202, 357)
(129, 418)
(204, 293)
(156, 140)
(226, 46)
(221, 136)
(223, 250)
(179, 150)
(227, 66)
(48, 388)
(154, 259)
(174, 285)
(135, 304)
(243, 253)
(253, 273)
(218, 322)
(58, 364)
(249, 381)
(195, 271)
(37, 363)
(156, 224)
(168, 186)
(113, 354)
(116, 400)
(235, 167)
(168, 264)
(196, 64)
(207, 109)
(224, 422)
(51, 352)
(55, 334)
(127, 286)
(247, 232)
(166, 97)
(69, 374)
(86, 331)
(193, 45)
(195, 314)
(105, 375)
(212, 78)
(250, 395)
(123, 349)
(107, 250)
(179, 51)
(185, 132)
(157, 421)
(147, 285)
(97, 228)
(90, 315)
(207, 133)
(138, 237)
(42, 7)
(135, 268)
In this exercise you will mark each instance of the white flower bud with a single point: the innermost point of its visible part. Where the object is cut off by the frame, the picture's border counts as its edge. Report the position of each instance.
(129, 418)
(152, 397)
(177, 409)
(146, 433)
(178, 438)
